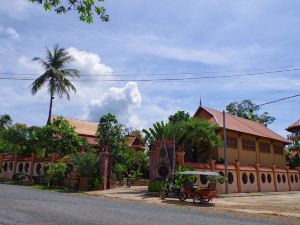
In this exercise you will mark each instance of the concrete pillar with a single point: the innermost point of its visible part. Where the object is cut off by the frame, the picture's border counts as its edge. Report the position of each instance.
(238, 175)
(15, 164)
(212, 164)
(180, 157)
(152, 166)
(257, 150)
(104, 167)
(32, 161)
(258, 176)
(288, 177)
(274, 176)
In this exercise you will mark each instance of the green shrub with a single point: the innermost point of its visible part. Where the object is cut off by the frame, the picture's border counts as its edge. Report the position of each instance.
(96, 183)
(156, 186)
(85, 163)
(180, 178)
(56, 173)
(20, 177)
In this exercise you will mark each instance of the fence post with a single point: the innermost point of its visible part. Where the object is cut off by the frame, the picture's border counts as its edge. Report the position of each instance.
(258, 176)
(238, 175)
(288, 177)
(274, 176)
(33, 158)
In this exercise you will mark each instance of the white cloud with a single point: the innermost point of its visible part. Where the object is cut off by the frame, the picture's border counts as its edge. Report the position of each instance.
(118, 101)
(88, 62)
(29, 65)
(9, 31)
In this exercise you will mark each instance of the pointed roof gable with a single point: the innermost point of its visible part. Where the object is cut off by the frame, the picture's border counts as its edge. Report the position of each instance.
(294, 125)
(241, 125)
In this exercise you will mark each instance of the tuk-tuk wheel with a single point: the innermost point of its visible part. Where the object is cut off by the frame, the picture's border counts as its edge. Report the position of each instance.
(198, 199)
(182, 196)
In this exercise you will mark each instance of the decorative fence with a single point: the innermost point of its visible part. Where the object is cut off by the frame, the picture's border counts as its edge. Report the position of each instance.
(32, 166)
(253, 178)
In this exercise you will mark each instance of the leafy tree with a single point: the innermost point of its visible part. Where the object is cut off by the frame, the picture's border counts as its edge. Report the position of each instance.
(18, 139)
(248, 110)
(5, 121)
(85, 8)
(179, 116)
(56, 173)
(85, 163)
(56, 75)
(201, 136)
(293, 155)
(59, 137)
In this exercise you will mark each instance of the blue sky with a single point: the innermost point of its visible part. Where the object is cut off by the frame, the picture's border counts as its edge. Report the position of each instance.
(154, 37)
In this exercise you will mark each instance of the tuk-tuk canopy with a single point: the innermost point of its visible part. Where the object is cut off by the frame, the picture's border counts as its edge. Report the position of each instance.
(205, 173)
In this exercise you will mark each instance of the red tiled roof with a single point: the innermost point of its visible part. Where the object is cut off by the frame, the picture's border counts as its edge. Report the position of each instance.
(242, 125)
(294, 125)
(82, 127)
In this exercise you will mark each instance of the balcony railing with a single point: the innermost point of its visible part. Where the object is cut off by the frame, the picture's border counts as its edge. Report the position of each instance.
(294, 136)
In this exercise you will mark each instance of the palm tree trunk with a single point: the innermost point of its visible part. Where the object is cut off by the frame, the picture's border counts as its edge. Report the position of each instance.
(50, 109)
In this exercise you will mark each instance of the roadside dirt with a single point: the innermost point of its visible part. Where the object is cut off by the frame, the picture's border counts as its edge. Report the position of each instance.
(283, 206)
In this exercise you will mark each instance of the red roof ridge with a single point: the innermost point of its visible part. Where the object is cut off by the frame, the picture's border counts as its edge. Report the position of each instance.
(70, 118)
(243, 125)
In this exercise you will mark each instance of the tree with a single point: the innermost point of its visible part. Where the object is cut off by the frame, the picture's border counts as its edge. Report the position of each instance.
(55, 75)
(293, 155)
(5, 121)
(201, 136)
(84, 8)
(58, 137)
(248, 110)
(18, 139)
(179, 117)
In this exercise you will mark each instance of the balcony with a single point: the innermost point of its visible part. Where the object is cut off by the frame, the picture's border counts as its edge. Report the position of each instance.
(294, 136)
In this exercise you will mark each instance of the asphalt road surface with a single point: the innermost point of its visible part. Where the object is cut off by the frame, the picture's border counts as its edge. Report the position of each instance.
(23, 205)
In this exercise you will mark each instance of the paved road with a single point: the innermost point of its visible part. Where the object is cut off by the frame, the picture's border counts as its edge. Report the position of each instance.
(22, 205)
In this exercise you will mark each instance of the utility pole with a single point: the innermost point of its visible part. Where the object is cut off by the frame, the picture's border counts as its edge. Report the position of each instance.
(225, 152)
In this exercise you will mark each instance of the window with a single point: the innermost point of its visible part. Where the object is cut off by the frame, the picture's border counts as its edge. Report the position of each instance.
(232, 142)
(263, 178)
(278, 178)
(252, 178)
(230, 178)
(26, 167)
(10, 166)
(5, 167)
(248, 144)
(245, 178)
(264, 147)
(292, 178)
(296, 178)
(269, 178)
(283, 178)
(20, 167)
(38, 169)
(278, 149)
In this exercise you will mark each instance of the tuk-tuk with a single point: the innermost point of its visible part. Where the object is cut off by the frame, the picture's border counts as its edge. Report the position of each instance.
(199, 194)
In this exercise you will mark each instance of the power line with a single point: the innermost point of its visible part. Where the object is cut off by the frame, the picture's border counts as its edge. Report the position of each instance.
(169, 74)
(170, 79)
(279, 100)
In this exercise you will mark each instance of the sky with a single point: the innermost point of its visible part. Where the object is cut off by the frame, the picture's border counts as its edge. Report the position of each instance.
(155, 40)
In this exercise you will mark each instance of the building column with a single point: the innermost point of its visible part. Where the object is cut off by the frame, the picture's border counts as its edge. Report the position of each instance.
(288, 177)
(152, 164)
(104, 167)
(257, 150)
(180, 157)
(258, 176)
(274, 176)
(238, 175)
(15, 164)
(212, 164)
(32, 161)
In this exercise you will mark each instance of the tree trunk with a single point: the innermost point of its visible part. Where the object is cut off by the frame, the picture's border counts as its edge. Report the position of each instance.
(50, 109)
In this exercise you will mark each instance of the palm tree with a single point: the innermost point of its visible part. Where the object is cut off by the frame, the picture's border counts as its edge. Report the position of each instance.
(5, 121)
(55, 75)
